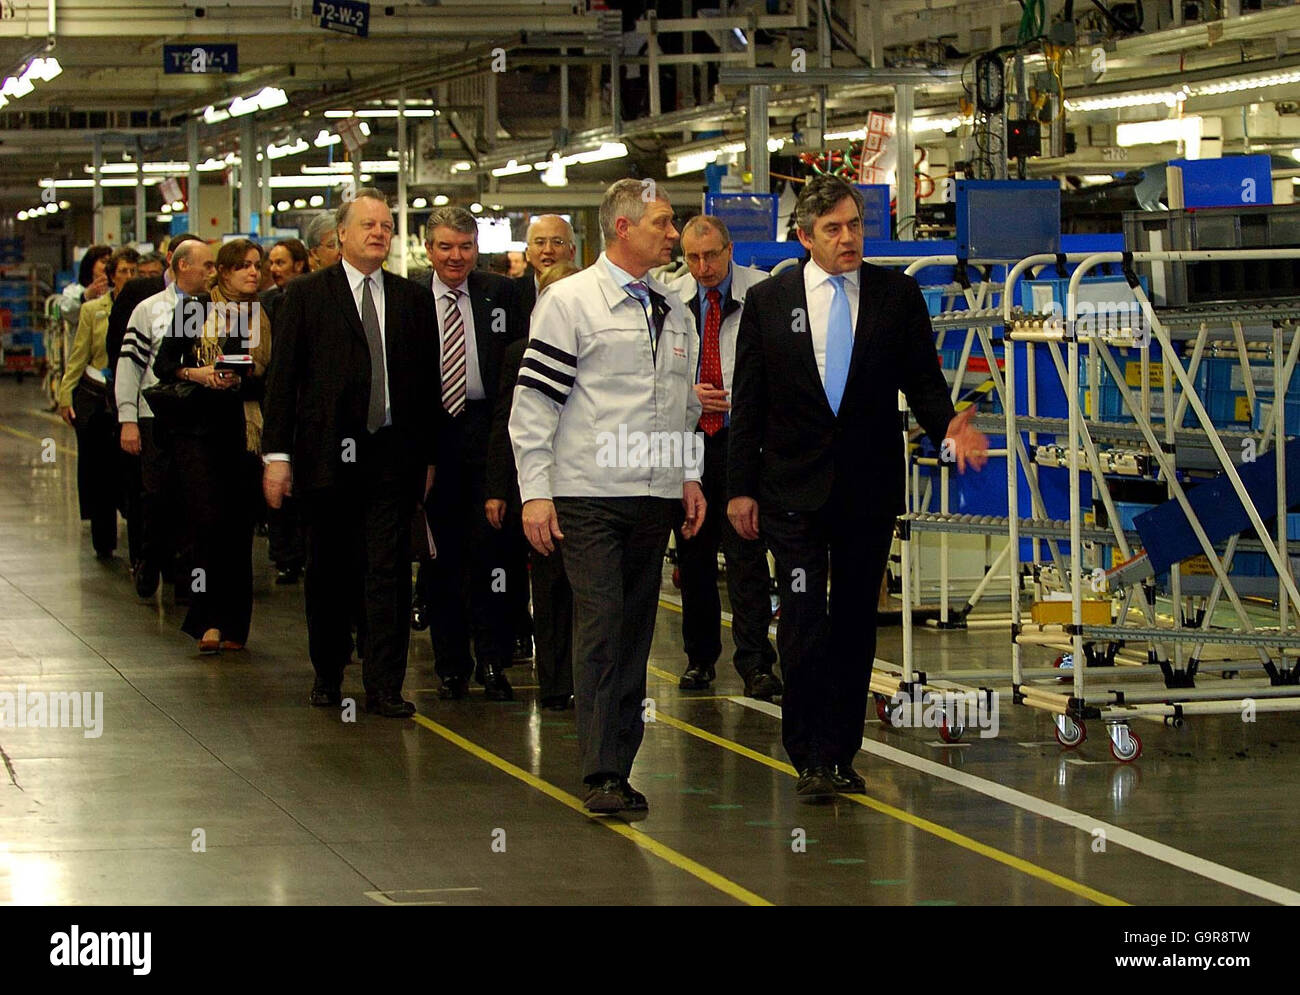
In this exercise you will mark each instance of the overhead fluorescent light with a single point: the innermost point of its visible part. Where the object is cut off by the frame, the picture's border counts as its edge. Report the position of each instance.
(1151, 98)
(512, 168)
(213, 115)
(332, 180)
(419, 203)
(16, 87)
(441, 200)
(1181, 129)
(264, 100)
(289, 148)
(556, 173)
(325, 139)
(1238, 83)
(117, 168)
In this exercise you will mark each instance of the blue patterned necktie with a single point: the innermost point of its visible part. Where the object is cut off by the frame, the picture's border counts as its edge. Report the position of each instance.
(641, 292)
(839, 344)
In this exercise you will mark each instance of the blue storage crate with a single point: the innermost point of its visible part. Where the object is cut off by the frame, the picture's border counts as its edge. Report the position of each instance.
(1225, 373)
(1129, 510)
(1290, 417)
(1089, 288)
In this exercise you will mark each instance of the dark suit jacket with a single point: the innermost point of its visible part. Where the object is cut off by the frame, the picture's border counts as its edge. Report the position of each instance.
(132, 294)
(788, 449)
(318, 385)
(502, 477)
(495, 304)
(526, 292)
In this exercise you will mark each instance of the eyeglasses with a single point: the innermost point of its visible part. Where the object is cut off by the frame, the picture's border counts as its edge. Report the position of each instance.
(541, 243)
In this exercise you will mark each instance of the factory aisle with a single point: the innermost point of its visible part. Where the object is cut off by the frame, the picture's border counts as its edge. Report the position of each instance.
(210, 780)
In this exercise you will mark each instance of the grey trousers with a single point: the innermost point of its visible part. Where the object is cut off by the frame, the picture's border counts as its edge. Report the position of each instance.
(613, 555)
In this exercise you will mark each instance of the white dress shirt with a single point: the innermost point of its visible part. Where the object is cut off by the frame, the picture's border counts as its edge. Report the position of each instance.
(473, 375)
(622, 277)
(817, 285)
(356, 283)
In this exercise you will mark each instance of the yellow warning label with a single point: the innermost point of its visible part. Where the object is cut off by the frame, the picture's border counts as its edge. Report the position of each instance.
(1197, 565)
(1133, 374)
(1241, 409)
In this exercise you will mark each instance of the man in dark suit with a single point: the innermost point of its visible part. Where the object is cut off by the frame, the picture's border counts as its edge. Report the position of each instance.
(352, 429)
(467, 589)
(550, 241)
(816, 465)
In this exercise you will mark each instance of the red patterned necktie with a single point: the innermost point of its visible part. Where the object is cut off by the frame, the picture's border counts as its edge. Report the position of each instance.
(711, 358)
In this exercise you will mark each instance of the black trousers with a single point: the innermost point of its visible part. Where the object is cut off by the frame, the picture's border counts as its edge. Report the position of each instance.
(748, 581)
(827, 645)
(467, 587)
(97, 464)
(162, 545)
(219, 483)
(518, 554)
(359, 566)
(613, 553)
(287, 538)
(553, 628)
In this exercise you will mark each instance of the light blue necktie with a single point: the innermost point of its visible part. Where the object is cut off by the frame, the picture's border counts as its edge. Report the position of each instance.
(839, 345)
(641, 292)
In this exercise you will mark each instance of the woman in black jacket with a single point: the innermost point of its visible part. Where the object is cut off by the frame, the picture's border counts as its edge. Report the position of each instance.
(216, 436)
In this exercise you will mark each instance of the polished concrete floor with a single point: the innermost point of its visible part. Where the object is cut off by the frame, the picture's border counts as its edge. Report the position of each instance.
(214, 782)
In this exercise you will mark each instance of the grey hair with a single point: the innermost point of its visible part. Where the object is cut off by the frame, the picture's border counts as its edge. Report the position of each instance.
(372, 193)
(183, 252)
(702, 222)
(819, 196)
(455, 218)
(320, 229)
(542, 217)
(625, 199)
(154, 257)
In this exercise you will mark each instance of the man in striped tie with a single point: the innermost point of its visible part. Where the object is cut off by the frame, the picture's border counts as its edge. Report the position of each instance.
(465, 589)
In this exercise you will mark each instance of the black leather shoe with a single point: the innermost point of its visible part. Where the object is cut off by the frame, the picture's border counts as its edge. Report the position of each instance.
(495, 685)
(697, 678)
(605, 796)
(287, 575)
(815, 784)
(146, 579)
(763, 686)
(390, 707)
(633, 800)
(325, 697)
(453, 688)
(419, 616)
(557, 702)
(848, 781)
(523, 649)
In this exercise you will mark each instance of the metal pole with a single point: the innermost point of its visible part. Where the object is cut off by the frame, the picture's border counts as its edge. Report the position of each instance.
(139, 191)
(192, 186)
(757, 150)
(491, 116)
(247, 172)
(564, 93)
(904, 101)
(97, 192)
(615, 81)
(401, 181)
(266, 202)
(652, 51)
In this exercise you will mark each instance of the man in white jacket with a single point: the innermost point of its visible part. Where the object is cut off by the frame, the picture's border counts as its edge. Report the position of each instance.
(714, 292)
(603, 429)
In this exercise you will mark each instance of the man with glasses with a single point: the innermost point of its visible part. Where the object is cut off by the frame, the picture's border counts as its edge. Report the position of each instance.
(714, 292)
(322, 243)
(550, 240)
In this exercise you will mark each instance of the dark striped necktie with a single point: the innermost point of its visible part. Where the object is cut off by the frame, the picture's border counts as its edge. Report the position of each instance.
(453, 355)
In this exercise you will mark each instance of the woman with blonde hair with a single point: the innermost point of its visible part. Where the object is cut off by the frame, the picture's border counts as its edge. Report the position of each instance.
(216, 433)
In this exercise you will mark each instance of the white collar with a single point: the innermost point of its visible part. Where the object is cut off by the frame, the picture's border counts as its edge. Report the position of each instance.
(355, 276)
(815, 276)
(621, 276)
(441, 290)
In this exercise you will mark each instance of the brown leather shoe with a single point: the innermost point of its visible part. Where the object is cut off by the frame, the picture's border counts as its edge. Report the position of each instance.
(234, 647)
(211, 641)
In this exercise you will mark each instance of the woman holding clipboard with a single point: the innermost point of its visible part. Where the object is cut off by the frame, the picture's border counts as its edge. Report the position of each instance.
(216, 431)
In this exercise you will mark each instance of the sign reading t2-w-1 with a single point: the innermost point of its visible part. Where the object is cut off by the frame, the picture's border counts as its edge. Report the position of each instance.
(200, 59)
(349, 16)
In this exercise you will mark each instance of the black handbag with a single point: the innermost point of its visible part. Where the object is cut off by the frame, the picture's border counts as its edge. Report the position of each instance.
(166, 400)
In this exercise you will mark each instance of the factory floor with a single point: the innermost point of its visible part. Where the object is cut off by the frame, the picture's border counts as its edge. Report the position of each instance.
(213, 782)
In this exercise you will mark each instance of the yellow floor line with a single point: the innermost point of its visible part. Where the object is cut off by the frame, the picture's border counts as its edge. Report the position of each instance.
(71, 451)
(933, 828)
(666, 853)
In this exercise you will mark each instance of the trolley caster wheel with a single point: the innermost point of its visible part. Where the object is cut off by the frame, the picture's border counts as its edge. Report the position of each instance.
(677, 578)
(950, 734)
(882, 710)
(1125, 745)
(1070, 733)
